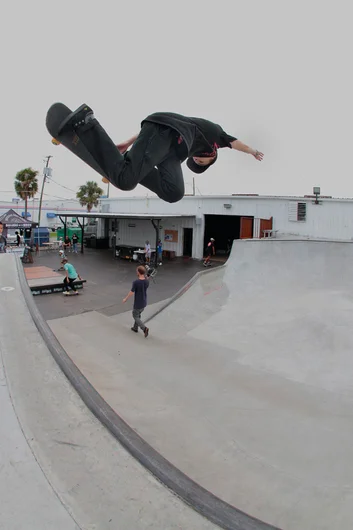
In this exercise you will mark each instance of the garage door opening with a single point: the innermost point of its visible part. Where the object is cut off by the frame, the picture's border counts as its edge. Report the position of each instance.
(225, 228)
(187, 242)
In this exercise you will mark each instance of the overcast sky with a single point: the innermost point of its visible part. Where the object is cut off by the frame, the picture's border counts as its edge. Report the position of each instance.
(275, 74)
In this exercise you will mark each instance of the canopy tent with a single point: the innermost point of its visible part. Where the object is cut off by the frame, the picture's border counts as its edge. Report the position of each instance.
(11, 219)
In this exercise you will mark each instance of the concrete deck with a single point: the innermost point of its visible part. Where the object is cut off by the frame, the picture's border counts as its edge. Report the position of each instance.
(245, 382)
(108, 282)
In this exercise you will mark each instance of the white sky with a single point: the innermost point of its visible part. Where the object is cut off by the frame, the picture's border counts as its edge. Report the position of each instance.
(276, 74)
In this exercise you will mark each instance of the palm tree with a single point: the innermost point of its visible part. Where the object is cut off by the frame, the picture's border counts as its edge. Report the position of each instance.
(26, 185)
(88, 194)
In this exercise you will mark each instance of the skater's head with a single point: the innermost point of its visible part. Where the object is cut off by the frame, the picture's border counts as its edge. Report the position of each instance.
(199, 164)
(141, 271)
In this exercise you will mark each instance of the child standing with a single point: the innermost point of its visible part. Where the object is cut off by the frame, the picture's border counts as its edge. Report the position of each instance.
(139, 289)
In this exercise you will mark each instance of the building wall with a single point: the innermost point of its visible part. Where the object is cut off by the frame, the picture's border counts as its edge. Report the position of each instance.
(137, 231)
(332, 219)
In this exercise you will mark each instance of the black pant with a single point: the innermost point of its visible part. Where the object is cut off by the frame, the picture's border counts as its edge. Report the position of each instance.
(69, 283)
(152, 161)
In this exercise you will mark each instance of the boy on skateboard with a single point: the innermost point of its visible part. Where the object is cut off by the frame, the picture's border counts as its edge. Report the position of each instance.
(166, 139)
(139, 289)
(71, 276)
(210, 251)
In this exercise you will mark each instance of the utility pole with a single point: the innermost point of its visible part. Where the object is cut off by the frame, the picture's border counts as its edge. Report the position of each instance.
(46, 173)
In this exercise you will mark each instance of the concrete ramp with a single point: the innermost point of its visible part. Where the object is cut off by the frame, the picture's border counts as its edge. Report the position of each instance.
(284, 307)
(245, 381)
(60, 469)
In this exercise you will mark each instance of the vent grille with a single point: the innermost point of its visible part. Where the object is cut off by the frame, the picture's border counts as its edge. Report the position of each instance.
(297, 211)
(301, 211)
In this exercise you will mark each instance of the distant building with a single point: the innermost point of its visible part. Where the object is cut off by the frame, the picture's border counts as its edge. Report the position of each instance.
(226, 218)
(51, 209)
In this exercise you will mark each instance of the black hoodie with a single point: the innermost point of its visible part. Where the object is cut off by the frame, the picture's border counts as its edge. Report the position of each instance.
(201, 137)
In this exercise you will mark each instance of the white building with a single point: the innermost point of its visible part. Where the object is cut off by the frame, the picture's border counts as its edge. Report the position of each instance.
(225, 218)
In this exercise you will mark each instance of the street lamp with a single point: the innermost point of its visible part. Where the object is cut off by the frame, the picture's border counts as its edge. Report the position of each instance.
(316, 192)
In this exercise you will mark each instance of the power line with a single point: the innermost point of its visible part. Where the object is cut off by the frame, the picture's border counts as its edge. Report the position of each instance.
(62, 198)
(62, 186)
(46, 194)
(13, 191)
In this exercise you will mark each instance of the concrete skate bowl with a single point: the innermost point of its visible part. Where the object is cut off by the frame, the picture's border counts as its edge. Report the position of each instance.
(268, 355)
(242, 394)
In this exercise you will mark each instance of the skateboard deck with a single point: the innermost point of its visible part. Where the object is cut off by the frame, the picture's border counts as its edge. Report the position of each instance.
(55, 116)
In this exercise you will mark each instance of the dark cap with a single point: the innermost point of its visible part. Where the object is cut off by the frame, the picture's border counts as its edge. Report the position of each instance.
(196, 168)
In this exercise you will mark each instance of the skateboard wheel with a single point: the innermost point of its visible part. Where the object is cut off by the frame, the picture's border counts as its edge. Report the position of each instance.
(55, 141)
(106, 181)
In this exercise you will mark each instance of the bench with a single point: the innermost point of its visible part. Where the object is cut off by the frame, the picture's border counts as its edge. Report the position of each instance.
(270, 233)
(51, 288)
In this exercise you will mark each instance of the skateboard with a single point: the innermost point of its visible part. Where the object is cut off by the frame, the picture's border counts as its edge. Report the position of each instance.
(70, 293)
(55, 116)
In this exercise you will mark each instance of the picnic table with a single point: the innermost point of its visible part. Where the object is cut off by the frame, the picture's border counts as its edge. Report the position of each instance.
(51, 245)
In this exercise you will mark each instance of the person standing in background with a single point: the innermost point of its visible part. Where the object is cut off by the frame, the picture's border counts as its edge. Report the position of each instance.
(148, 252)
(139, 289)
(3, 240)
(159, 252)
(67, 244)
(210, 251)
(74, 243)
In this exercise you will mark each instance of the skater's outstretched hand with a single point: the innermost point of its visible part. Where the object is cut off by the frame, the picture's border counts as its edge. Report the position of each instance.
(259, 156)
(240, 146)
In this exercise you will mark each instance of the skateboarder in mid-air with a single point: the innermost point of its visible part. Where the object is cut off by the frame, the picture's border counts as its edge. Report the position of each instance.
(165, 141)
